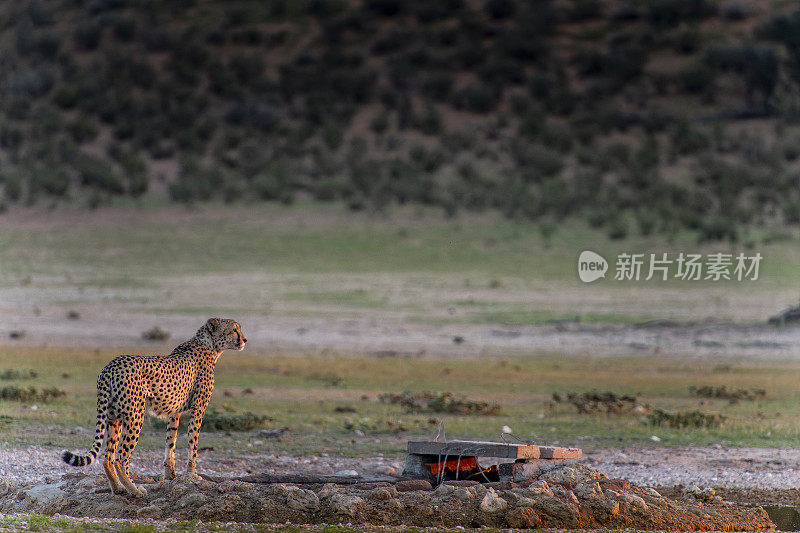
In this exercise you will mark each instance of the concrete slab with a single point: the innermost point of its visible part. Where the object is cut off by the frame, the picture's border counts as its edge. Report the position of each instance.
(492, 449)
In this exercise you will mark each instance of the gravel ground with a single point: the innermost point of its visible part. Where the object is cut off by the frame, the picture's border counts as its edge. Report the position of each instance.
(764, 468)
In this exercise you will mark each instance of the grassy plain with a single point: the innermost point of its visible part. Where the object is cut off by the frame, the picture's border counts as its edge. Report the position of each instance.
(321, 260)
(324, 399)
(411, 267)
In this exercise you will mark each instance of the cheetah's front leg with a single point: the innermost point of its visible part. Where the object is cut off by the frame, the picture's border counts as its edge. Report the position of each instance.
(169, 453)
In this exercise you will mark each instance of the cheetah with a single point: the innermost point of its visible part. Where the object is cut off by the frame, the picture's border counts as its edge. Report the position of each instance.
(164, 385)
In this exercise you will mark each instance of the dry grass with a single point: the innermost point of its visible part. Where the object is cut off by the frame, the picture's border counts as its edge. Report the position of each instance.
(303, 392)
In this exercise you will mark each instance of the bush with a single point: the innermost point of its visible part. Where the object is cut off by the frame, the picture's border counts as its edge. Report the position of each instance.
(273, 184)
(124, 29)
(10, 137)
(50, 179)
(478, 97)
(430, 122)
(586, 10)
(718, 229)
(87, 36)
(428, 12)
(12, 186)
(670, 13)
(697, 78)
(233, 189)
(385, 8)
(66, 96)
(380, 123)
(135, 170)
(33, 82)
(500, 9)
(82, 130)
(437, 85)
(97, 173)
(391, 41)
(687, 139)
(757, 63)
(617, 227)
(246, 68)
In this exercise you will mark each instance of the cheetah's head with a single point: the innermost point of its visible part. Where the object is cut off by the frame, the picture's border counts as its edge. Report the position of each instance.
(226, 334)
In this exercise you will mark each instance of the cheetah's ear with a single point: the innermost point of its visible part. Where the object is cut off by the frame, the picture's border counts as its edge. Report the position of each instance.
(212, 324)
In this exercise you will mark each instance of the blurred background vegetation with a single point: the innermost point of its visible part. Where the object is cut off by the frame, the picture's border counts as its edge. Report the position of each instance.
(637, 117)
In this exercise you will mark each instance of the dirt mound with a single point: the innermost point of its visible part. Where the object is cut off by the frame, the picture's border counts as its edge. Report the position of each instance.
(575, 497)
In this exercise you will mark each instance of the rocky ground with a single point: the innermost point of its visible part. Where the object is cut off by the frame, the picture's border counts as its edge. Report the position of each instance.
(562, 496)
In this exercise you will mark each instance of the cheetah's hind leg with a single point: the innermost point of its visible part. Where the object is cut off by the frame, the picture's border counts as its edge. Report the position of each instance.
(131, 427)
(112, 439)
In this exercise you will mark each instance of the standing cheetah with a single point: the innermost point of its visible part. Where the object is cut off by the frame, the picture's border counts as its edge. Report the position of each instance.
(164, 385)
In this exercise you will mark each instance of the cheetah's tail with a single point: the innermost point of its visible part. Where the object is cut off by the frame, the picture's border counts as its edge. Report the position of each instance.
(78, 460)
(102, 419)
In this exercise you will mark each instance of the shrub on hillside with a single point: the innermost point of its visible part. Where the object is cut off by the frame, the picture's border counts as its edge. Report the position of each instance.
(500, 9)
(12, 185)
(87, 35)
(670, 13)
(478, 97)
(82, 130)
(96, 173)
(49, 178)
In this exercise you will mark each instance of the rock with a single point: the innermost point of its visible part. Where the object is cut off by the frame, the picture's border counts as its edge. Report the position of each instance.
(302, 500)
(346, 473)
(233, 485)
(280, 489)
(413, 484)
(572, 474)
(5, 488)
(347, 504)
(566, 515)
(523, 518)
(444, 490)
(150, 511)
(222, 509)
(386, 470)
(615, 484)
(704, 495)
(382, 493)
(515, 499)
(652, 492)
(609, 507)
(328, 490)
(394, 505)
(192, 500)
(537, 488)
(634, 501)
(421, 509)
(45, 494)
(588, 491)
(464, 494)
(272, 433)
(492, 503)
(565, 495)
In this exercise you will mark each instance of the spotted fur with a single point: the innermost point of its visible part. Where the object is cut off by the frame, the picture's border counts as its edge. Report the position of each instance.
(164, 385)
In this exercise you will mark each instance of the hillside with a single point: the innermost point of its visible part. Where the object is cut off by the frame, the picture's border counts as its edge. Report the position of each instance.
(637, 116)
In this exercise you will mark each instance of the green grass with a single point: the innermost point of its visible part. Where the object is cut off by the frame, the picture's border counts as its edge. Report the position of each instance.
(302, 393)
(267, 237)
(313, 260)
